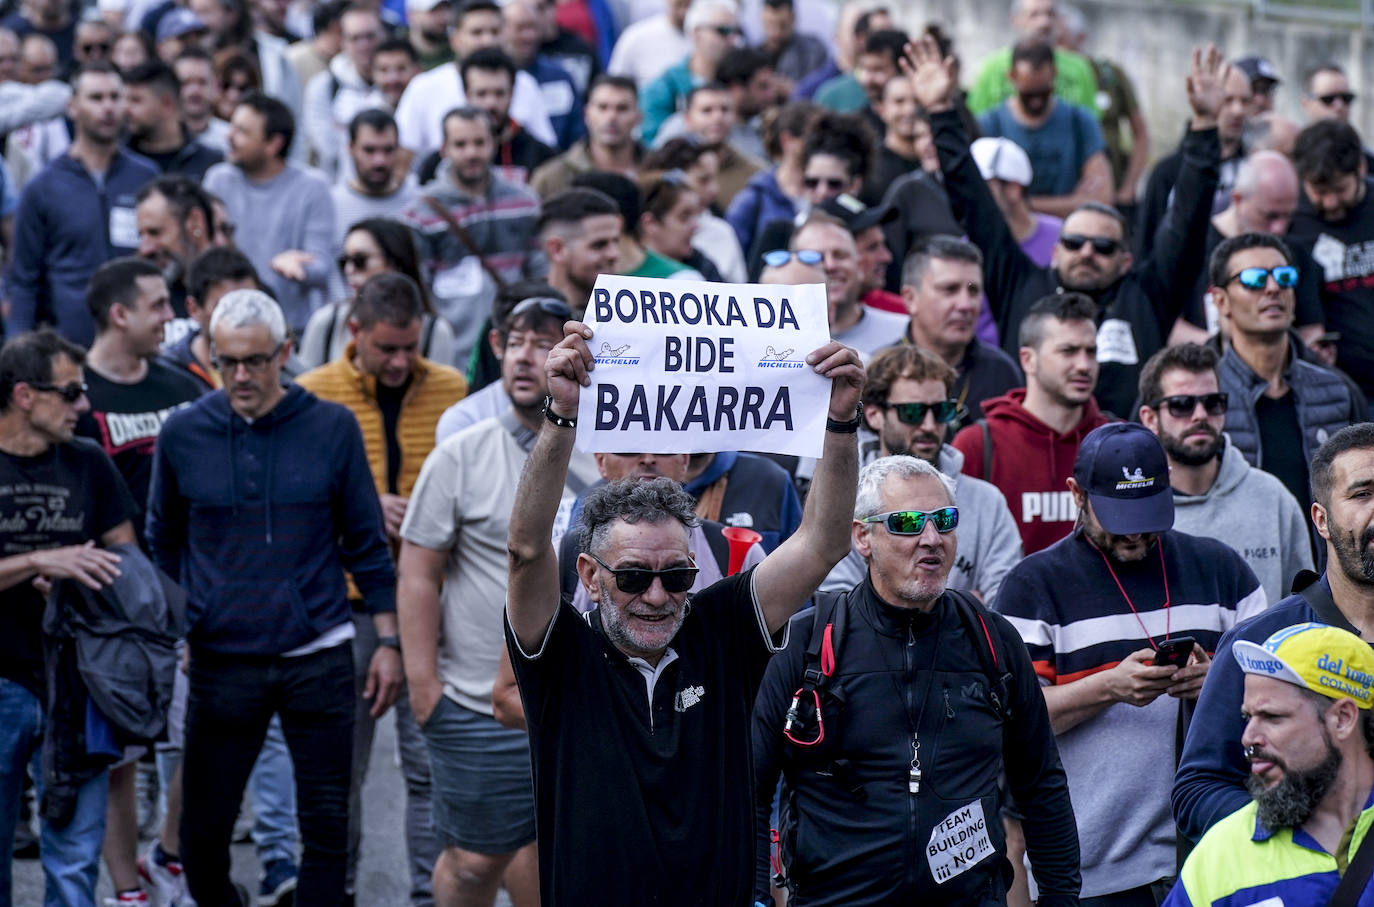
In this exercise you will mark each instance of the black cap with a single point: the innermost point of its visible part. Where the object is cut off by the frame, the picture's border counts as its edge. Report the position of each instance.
(1125, 473)
(1258, 68)
(857, 216)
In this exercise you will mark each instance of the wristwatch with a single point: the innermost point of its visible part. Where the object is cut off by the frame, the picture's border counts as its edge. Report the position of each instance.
(554, 417)
(847, 428)
(391, 642)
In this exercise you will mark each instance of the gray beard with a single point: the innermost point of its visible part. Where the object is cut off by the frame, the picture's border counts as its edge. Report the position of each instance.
(1291, 802)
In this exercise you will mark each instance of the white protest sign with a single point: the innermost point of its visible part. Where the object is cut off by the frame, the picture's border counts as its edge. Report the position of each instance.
(958, 842)
(685, 366)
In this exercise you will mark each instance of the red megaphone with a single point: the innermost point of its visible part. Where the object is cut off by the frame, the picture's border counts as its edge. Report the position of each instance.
(741, 540)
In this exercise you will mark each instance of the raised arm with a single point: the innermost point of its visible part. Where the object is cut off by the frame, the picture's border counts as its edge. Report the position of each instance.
(794, 571)
(532, 587)
(1176, 258)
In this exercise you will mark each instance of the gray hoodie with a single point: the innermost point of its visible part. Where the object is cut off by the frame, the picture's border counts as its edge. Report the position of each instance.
(989, 543)
(1253, 513)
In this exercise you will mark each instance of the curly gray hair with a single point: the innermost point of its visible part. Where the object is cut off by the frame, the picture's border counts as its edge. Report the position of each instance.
(633, 500)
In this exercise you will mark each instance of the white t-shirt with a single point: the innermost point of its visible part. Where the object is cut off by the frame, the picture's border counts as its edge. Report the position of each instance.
(430, 95)
(647, 49)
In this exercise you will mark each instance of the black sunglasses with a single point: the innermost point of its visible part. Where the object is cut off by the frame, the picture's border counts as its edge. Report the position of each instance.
(634, 580)
(1102, 245)
(357, 260)
(1345, 97)
(99, 47)
(69, 393)
(254, 363)
(831, 182)
(1181, 406)
(915, 413)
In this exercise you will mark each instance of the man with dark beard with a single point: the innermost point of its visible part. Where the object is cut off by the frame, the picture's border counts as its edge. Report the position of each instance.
(1094, 610)
(1210, 784)
(1307, 738)
(1217, 493)
(1282, 407)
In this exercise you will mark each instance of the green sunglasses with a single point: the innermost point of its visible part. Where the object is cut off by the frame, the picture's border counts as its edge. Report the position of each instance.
(1257, 278)
(913, 522)
(915, 413)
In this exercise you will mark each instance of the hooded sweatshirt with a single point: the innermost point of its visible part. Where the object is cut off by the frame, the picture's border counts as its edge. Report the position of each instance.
(258, 522)
(989, 545)
(1030, 464)
(1250, 510)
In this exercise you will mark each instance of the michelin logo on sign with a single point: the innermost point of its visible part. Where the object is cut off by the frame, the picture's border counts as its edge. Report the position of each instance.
(614, 356)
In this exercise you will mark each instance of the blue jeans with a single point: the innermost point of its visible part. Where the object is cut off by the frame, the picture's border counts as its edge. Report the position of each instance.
(70, 855)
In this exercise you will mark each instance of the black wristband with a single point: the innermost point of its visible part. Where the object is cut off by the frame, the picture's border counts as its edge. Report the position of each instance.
(391, 642)
(846, 428)
(554, 417)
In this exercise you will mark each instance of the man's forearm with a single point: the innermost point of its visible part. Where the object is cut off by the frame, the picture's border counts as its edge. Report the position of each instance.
(385, 622)
(417, 603)
(829, 508)
(16, 569)
(1071, 704)
(532, 583)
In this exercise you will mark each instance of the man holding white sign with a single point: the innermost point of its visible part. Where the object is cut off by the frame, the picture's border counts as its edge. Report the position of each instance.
(657, 786)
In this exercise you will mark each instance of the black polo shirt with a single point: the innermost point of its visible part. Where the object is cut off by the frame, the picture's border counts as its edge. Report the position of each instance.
(637, 805)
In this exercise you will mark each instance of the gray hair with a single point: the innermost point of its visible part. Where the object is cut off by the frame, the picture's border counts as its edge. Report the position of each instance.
(633, 500)
(945, 248)
(701, 10)
(869, 499)
(245, 308)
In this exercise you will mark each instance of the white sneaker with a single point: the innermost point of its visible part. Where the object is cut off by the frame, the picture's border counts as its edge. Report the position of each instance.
(167, 879)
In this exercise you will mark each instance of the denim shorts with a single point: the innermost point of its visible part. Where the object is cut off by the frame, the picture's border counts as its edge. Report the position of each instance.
(480, 770)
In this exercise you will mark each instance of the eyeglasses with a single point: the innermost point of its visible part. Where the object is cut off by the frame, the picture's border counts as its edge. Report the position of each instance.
(725, 31)
(1258, 278)
(1329, 100)
(634, 580)
(358, 260)
(913, 522)
(546, 304)
(779, 257)
(1181, 406)
(254, 363)
(915, 413)
(1102, 245)
(98, 47)
(70, 393)
(831, 182)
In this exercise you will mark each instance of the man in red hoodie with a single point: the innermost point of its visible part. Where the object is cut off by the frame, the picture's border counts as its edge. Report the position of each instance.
(1027, 444)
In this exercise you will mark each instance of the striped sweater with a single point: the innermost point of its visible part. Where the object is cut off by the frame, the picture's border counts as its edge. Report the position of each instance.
(1065, 603)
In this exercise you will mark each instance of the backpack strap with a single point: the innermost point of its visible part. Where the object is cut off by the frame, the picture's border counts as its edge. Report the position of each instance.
(1318, 597)
(818, 666)
(427, 337)
(987, 448)
(974, 617)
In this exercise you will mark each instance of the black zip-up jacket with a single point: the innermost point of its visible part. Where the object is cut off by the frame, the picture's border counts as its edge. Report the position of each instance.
(1134, 314)
(858, 836)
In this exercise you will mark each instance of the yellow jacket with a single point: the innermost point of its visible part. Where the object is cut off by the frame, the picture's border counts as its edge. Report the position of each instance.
(433, 389)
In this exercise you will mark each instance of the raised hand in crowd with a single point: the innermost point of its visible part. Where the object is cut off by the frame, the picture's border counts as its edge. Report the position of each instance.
(1207, 86)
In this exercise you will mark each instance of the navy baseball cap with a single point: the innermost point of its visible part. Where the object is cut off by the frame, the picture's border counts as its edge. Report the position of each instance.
(1125, 473)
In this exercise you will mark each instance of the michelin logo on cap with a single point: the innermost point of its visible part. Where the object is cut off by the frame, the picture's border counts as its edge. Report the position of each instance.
(1134, 480)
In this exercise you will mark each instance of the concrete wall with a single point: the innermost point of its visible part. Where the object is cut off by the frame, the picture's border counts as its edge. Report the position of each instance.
(1153, 42)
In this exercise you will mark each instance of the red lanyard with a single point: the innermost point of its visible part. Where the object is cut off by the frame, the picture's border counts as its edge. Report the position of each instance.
(1130, 604)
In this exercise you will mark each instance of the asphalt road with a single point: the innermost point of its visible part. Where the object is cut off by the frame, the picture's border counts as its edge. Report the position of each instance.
(383, 879)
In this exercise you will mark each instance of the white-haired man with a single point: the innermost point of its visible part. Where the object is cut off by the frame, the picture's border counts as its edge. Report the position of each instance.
(713, 27)
(259, 522)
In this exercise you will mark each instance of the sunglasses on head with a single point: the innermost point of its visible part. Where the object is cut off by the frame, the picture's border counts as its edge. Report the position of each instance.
(779, 257)
(546, 304)
(1258, 278)
(70, 393)
(913, 522)
(915, 413)
(634, 580)
(831, 182)
(1345, 97)
(1181, 406)
(1102, 245)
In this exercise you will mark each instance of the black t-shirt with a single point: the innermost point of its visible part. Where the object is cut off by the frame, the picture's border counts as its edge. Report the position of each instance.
(125, 419)
(636, 806)
(389, 400)
(889, 168)
(68, 495)
(1280, 438)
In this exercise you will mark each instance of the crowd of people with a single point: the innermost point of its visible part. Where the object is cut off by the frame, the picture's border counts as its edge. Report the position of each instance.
(1070, 611)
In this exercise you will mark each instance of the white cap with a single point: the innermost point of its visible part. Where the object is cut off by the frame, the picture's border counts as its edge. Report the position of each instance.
(1002, 159)
(423, 6)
